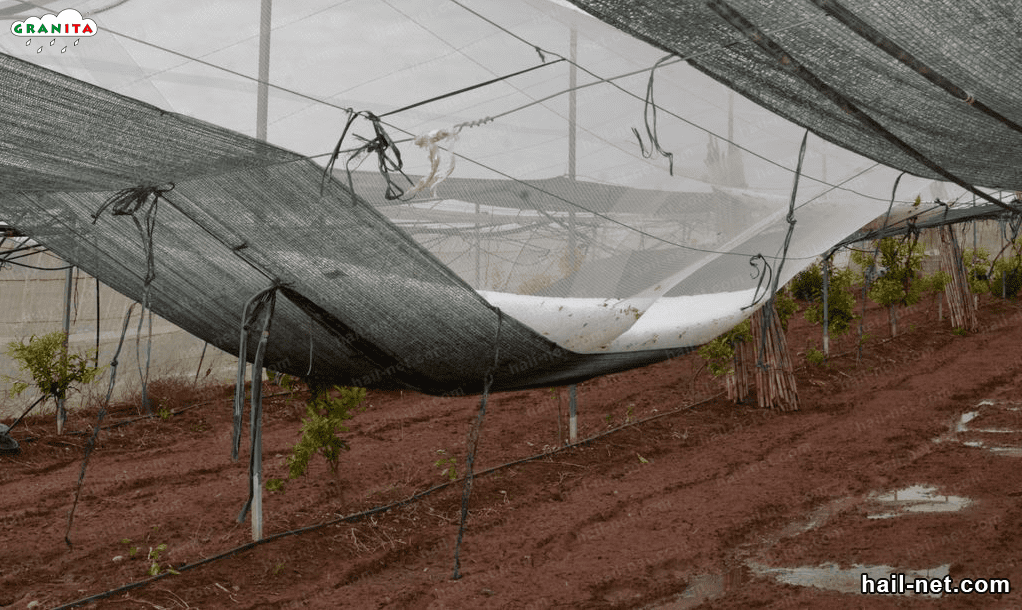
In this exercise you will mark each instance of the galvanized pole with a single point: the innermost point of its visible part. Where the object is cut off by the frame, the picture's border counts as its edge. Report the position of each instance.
(68, 279)
(572, 243)
(262, 100)
(826, 306)
(261, 118)
(572, 414)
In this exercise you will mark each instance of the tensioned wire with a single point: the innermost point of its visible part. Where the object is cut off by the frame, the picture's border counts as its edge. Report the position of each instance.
(607, 80)
(610, 81)
(612, 220)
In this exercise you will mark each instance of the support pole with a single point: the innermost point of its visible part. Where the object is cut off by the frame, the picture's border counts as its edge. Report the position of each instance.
(573, 414)
(68, 279)
(572, 128)
(262, 100)
(826, 306)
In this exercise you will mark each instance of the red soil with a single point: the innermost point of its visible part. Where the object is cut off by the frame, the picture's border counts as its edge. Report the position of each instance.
(631, 519)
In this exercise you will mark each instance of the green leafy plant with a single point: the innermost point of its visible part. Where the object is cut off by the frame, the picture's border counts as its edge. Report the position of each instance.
(786, 307)
(1006, 276)
(448, 464)
(275, 485)
(977, 266)
(154, 559)
(815, 356)
(899, 285)
(840, 301)
(807, 285)
(961, 332)
(164, 413)
(720, 353)
(54, 370)
(325, 417)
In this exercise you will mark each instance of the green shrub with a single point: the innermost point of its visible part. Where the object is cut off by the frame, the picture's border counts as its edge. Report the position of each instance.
(448, 464)
(1007, 277)
(815, 356)
(840, 303)
(785, 306)
(720, 353)
(54, 369)
(977, 266)
(325, 418)
(902, 261)
(807, 285)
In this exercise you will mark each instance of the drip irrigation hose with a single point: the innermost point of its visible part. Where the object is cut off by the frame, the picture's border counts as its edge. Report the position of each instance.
(378, 509)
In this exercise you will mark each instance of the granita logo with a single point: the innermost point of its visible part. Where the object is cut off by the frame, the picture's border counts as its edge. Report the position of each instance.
(68, 23)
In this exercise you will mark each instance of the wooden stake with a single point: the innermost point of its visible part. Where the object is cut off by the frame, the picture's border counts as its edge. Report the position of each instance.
(775, 381)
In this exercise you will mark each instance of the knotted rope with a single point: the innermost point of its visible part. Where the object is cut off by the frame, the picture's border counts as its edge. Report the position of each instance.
(387, 155)
(473, 443)
(651, 130)
(127, 202)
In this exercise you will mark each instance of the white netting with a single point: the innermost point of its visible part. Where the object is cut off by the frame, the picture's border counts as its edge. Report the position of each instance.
(568, 200)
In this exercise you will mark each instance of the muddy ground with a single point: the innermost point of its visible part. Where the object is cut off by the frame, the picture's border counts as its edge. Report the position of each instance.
(699, 502)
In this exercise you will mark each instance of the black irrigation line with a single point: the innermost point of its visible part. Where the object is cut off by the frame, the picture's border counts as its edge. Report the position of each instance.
(125, 422)
(376, 510)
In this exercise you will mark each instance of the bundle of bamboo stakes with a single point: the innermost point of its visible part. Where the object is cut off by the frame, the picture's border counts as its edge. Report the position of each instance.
(737, 381)
(959, 297)
(775, 379)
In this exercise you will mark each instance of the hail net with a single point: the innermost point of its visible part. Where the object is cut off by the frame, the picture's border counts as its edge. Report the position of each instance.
(607, 202)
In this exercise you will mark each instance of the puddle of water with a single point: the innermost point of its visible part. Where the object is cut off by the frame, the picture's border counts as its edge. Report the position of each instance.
(917, 499)
(961, 428)
(702, 588)
(966, 418)
(1006, 450)
(845, 580)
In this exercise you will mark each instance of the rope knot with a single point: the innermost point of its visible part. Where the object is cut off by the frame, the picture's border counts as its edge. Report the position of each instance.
(380, 145)
(126, 202)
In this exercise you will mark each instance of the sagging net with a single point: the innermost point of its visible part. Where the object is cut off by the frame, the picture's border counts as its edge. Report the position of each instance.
(618, 206)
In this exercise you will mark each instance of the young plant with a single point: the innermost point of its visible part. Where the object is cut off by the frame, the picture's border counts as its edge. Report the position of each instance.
(1006, 276)
(325, 418)
(840, 301)
(154, 558)
(54, 370)
(899, 285)
(977, 268)
(449, 465)
(807, 285)
(720, 353)
(815, 356)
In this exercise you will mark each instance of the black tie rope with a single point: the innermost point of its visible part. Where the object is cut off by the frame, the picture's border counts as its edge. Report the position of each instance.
(767, 274)
(651, 127)
(876, 250)
(127, 202)
(790, 218)
(99, 420)
(249, 316)
(473, 443)
(381, 144)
